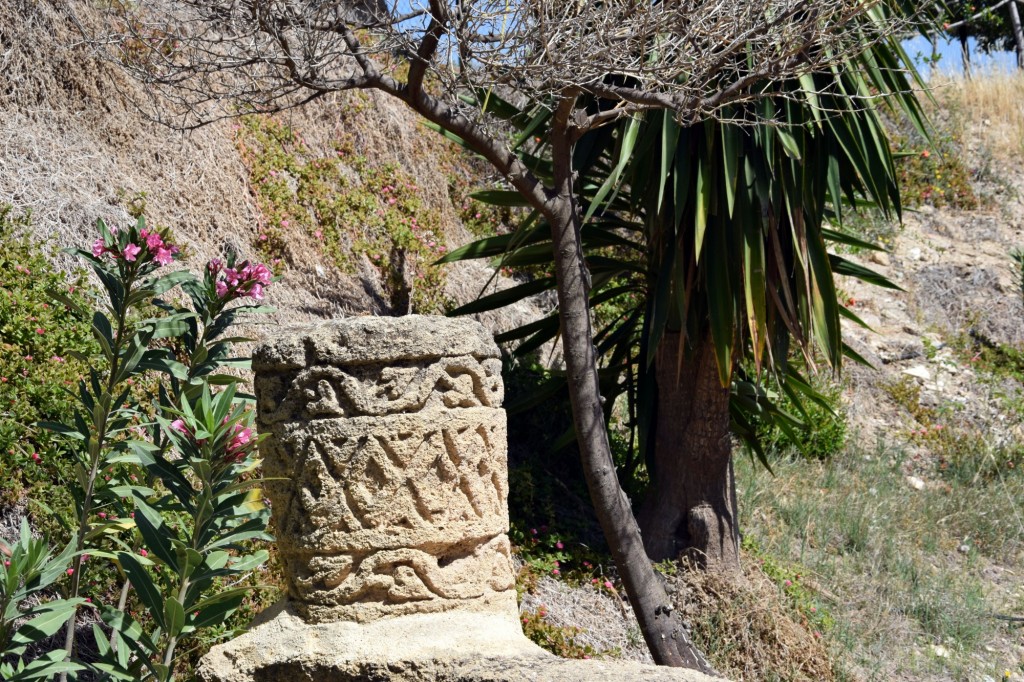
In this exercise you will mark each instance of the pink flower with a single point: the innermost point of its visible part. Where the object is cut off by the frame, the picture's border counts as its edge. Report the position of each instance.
(555, 571)
(164, 256)
(243, 436)
(40, 330)
(222, 288)
(179, 426)
(131, 252)
(98, 248)
(35, 457)
(608, 584)
(102, 515)
(259, 272)
(559, 545)
(143, 552)
(787, 583)
(153, 240)
(70, 571)
(215, 266)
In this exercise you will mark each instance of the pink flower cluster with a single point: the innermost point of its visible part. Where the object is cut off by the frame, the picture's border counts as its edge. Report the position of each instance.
(236, 448)
(241, 438)
(161, 251)
(245, 279)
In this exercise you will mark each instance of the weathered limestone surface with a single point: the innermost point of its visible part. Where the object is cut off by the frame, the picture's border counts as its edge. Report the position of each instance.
(391, 442)
(434, 647)
(388, 443)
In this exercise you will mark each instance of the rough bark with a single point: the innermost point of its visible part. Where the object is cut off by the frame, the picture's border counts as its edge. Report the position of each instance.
(691, 507)
(1018, 33)
(661, 626)
(965, 52)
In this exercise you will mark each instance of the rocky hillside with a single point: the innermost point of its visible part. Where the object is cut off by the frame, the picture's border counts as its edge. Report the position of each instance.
(74, 148)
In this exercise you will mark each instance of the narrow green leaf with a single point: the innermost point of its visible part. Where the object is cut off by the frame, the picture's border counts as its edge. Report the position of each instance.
(703, 207)
(149, 593)
(158, 535)
(174, 617)
(497, 197)
(629, 138)
(504, 297)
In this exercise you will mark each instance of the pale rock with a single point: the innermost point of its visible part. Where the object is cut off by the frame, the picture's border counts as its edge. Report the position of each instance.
(915, 482)
(914, 253)
(940, 651)
(880, 258)
(918, 371)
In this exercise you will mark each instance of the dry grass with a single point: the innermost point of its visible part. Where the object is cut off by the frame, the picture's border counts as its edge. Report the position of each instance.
(606, 624)
(992, 106)
(74, 148)
(751, 627)
(912, 576)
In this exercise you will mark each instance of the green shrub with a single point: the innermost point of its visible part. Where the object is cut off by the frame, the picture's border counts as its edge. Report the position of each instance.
(824, 432)
(41, 343)
(932, 172)
(348, 206)
(166, 505)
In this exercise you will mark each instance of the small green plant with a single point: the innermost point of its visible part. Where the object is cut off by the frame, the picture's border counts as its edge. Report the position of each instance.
(349, 207)
(559, 640)
(40, 343)
(27, 575)
(932, 172)
(824, 424)
(1018, 257)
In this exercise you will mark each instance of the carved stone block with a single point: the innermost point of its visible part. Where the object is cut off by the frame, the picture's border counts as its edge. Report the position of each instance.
(388, 443)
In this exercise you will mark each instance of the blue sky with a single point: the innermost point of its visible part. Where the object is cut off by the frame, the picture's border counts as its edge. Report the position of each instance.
(950, 63)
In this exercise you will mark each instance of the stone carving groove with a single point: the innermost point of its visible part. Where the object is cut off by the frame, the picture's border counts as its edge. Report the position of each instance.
(388, 440)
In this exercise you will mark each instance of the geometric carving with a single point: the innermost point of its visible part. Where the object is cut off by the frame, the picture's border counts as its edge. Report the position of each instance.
(389, 440)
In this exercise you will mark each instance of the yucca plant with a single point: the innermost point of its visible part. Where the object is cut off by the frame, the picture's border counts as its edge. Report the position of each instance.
(711, 244)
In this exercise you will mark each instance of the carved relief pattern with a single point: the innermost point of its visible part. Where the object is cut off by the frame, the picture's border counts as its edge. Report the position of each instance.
(376, 390)
(392, 484)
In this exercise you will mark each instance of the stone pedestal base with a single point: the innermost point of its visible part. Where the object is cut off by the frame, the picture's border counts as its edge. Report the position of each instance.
(452, 646)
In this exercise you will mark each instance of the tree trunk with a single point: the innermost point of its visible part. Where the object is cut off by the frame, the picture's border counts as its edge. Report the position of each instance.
(661, 626)
(965, 52)
(1018, 34)
(691, 506)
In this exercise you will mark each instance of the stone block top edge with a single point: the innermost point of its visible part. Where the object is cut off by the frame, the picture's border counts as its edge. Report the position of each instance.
(370, 339)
